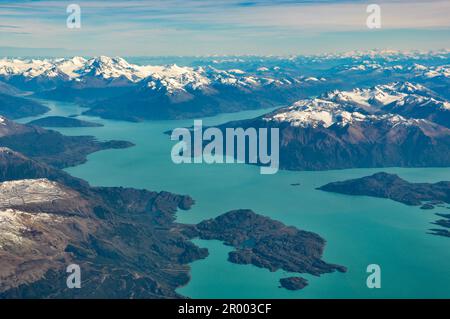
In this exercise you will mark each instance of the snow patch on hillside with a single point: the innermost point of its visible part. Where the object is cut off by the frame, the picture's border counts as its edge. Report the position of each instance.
(31, 191)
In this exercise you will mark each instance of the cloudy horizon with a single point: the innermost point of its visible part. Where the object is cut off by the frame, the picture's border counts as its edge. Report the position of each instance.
(224, 27)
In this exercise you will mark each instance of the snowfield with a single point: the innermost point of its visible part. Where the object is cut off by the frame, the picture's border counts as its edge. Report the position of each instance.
(31, 191)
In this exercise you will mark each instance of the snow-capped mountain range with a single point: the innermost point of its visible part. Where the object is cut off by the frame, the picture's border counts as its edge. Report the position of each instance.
(397, 93)
(172, 78)
(105, 68)
(78, 67)
(112, 87)
(394, 124)
(317, 112)
(397, 103)
(415, 70)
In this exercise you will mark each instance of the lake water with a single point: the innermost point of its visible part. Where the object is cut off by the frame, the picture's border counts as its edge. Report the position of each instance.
(359, 230)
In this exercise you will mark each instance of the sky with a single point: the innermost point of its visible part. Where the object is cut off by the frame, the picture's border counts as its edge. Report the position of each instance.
(219, 27)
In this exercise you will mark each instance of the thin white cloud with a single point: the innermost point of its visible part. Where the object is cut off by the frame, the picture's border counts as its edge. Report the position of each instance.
(337, 16)
(211, 26)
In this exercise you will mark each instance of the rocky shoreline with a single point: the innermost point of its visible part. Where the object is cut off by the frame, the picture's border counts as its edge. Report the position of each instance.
(115, 234)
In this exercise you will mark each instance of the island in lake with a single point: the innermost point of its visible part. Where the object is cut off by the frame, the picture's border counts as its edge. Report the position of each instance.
(61, 121)
(384, 185)
(293, 283)
(391, 186)
(267, 243)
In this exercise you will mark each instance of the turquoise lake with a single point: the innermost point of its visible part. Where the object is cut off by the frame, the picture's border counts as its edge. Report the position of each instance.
(359, 230)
